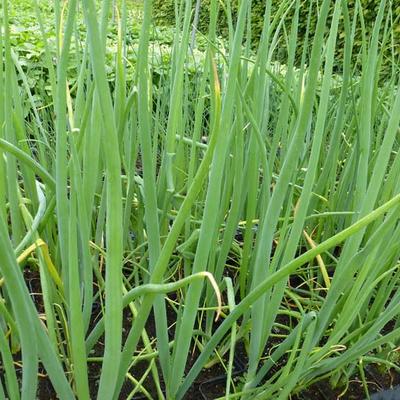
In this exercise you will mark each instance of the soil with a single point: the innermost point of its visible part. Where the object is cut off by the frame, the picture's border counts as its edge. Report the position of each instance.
(210, 384)
(377, 382)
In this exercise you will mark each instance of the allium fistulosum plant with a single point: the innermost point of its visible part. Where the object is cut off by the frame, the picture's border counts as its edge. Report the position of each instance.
(172, 203)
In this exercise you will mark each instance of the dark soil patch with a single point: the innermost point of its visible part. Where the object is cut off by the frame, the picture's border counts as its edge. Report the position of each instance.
(377, 382)
(211, 382)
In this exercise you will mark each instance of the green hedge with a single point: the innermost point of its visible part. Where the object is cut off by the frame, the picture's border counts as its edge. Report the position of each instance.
(164, 13)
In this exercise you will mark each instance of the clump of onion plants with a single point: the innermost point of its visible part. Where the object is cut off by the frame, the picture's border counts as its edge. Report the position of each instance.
(161, 215)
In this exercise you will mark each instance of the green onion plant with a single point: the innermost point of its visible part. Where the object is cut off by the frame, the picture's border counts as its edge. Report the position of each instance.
(167, 208)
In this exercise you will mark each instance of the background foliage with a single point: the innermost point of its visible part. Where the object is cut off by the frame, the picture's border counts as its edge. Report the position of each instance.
(164, 13)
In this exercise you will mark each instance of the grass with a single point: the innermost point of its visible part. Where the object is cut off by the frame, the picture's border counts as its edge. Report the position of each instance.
(226, 197)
